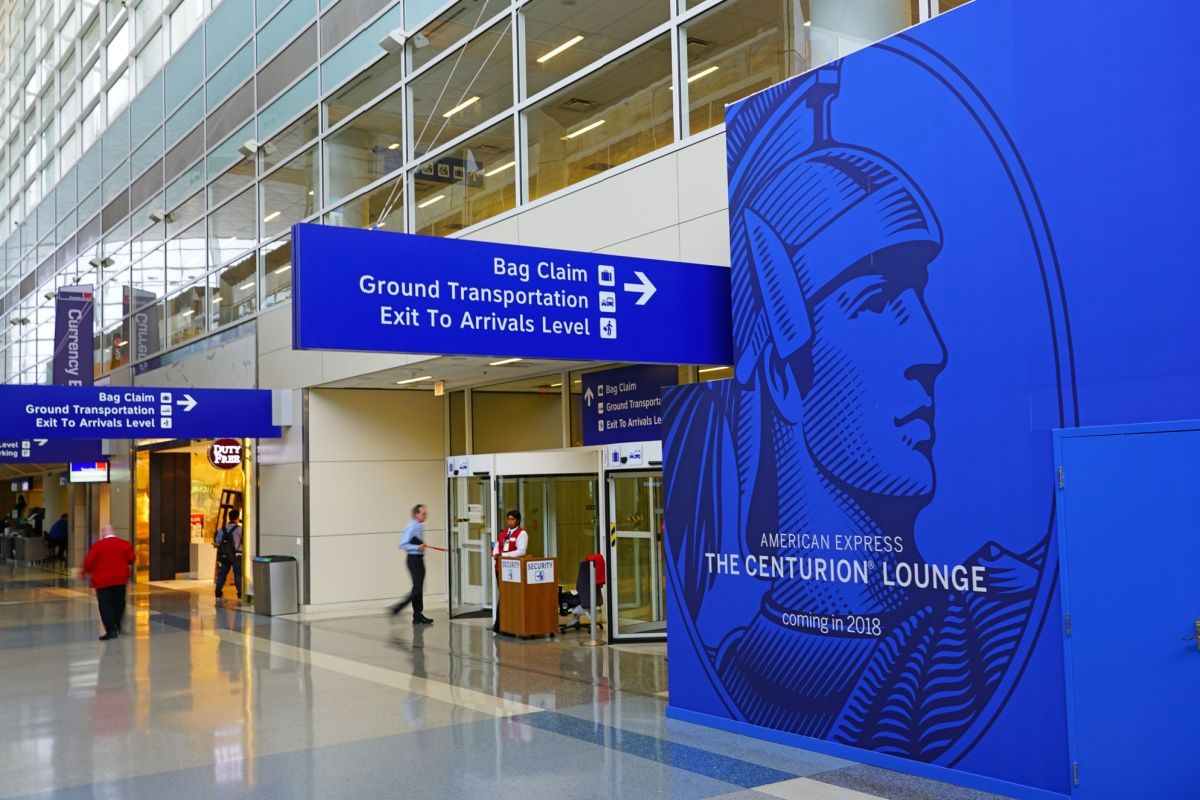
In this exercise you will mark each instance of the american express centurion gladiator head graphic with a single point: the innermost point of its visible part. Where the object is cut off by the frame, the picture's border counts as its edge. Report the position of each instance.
(821, 590)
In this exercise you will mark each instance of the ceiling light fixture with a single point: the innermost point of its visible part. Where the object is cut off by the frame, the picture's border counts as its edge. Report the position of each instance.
(555, 385)
(99, 263)
(503, 361)
(187, 313)
(394, 146)
(703, 72)
(415, 380)
(574, 40)
(583, 130)
(465, 104)
(431, 200)
(808, 23)
(272, 215)
(499, 169)
(282, 269)
(245, 286)
(710, 369)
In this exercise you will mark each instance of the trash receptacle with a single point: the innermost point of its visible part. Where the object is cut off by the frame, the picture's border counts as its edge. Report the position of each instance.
(276, 581)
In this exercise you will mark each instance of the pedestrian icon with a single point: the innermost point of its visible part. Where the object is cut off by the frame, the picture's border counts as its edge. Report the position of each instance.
(608, 328)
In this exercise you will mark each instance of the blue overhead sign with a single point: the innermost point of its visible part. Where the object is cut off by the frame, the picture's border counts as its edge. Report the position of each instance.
(625, 405)
(401, 293)
(123, 412)
(49, 451)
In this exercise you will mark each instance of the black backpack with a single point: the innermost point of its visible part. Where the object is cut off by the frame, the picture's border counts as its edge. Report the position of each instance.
(227, 548)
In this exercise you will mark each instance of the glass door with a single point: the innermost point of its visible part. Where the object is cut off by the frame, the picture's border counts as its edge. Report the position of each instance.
(470, 545)
(635, 562)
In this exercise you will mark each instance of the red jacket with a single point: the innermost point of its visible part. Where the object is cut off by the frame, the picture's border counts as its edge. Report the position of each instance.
(107, 561)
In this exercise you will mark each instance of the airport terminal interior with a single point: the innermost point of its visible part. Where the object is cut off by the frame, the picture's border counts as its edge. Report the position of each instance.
(156, 154)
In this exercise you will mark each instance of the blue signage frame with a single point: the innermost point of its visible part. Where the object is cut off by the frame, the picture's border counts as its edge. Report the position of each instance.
(135, 412)
(379, 291)
(624, 404)
(41, 450)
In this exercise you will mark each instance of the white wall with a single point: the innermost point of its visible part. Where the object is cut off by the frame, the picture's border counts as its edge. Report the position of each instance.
(507, 422)
(674, 206)
(372, 456)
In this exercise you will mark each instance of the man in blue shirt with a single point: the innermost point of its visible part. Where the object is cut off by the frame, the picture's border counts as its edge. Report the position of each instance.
(412, 542)
(57, 538)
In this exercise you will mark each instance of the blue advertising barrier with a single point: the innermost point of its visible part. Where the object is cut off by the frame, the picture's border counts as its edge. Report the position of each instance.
(943, 247)
(49, 451)
(121, 412)
(401, 293)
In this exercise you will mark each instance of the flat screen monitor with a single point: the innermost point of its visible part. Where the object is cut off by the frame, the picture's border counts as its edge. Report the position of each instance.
(89, 472)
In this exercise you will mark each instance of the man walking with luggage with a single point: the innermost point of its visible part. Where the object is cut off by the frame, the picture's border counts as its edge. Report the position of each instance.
(412, 542)
(107, 561)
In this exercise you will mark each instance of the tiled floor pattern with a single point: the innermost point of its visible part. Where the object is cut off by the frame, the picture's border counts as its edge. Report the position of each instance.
(204, 700)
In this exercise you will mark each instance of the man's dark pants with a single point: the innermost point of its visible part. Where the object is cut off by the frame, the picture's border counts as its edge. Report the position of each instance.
(111, 600)
(416, 568)
(223, 570)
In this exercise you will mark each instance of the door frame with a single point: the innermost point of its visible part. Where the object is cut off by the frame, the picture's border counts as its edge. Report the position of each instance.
(1060, 524)
(610, 543)
(459, 467)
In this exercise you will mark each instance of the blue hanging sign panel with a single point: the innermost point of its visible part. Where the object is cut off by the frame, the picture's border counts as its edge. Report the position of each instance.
(107, 412)
(400, 293)
(625, 405)
(49, 451)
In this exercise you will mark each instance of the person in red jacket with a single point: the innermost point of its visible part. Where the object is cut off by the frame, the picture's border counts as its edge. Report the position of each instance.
(107, 561)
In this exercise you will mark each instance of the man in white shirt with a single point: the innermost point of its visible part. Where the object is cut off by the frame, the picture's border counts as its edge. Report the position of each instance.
(512, 543)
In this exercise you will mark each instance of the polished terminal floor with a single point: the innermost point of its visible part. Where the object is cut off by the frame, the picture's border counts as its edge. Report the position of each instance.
(204, 700)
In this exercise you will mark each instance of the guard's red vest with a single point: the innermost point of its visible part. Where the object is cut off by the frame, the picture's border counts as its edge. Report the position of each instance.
(508, 539)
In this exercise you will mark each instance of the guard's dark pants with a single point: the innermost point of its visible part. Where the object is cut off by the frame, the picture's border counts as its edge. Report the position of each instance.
(111, 600)
(416, 568)
(223, 570)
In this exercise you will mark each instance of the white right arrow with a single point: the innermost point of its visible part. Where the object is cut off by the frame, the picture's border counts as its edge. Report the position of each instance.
(188, 402)
(41, 442)
(588, 396)
(644, 286)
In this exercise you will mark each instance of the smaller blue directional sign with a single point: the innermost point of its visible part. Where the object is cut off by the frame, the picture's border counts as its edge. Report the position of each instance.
(401, 293)
(112, 412)
(48, 451)
(625, 405)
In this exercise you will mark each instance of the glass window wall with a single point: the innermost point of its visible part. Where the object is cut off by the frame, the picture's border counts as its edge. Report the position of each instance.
(561, 39)
(466, 184)
(382, 207)
(276, 260)
(186, 315)
(464, 90)
(233, 291)
(289, 193)
(614, 115)
(366, 148)
(451, 27)
(233, 227)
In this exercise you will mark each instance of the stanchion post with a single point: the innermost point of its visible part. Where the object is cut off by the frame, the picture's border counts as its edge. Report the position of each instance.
(592, 640)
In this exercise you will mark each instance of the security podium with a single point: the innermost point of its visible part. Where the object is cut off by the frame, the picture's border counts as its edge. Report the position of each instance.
(528, 596)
